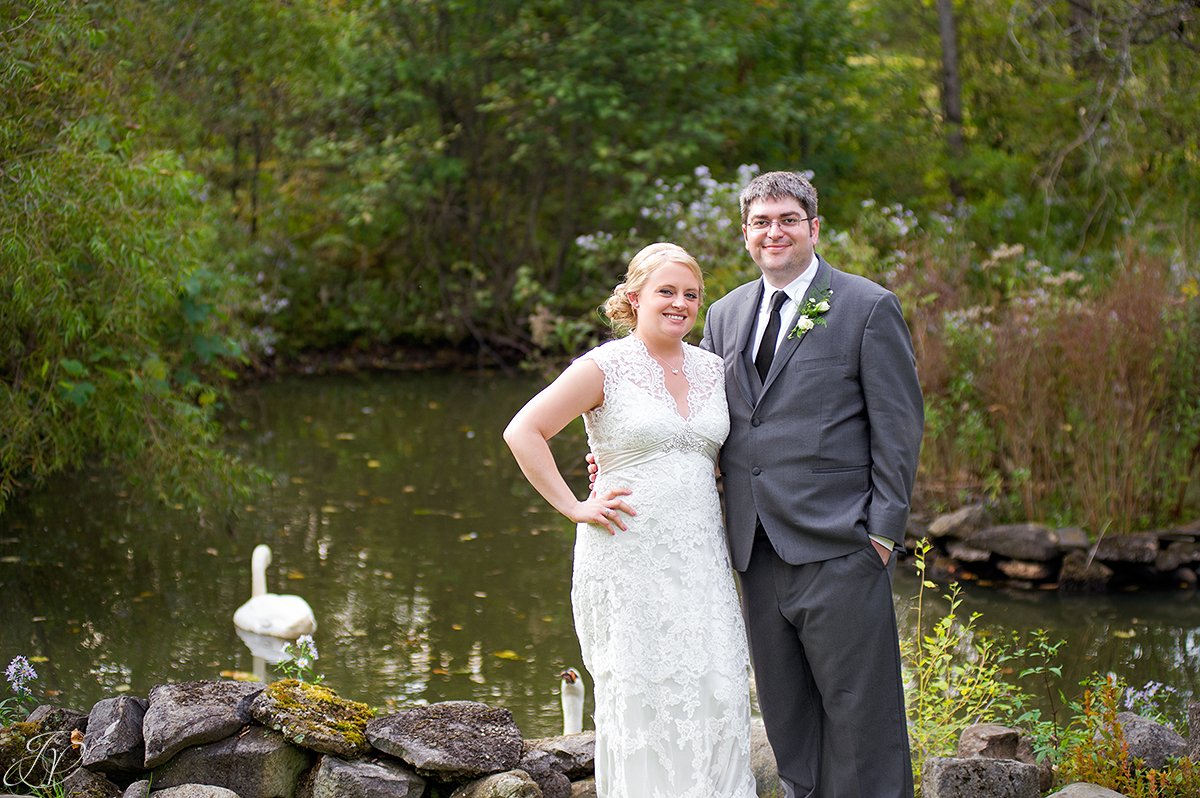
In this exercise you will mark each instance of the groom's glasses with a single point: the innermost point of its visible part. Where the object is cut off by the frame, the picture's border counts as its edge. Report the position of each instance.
(786, 223)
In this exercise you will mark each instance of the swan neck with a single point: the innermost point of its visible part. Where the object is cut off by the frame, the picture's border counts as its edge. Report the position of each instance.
(258, 571)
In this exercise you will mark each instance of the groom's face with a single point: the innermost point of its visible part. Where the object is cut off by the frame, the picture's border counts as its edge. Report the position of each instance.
(780, 238)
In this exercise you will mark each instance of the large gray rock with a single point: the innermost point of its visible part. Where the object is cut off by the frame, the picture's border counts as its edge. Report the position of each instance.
(1128, 548)
(511, 784)
(450, 741)
(576, 753)
(1026, 570)
(314, 717)
(944, 777)
(993, 741)
(989, 740)
(195, 791)
(585, 788)
(139, 789)
(544, 769)
(1150, 742)
(113, 743)
(337, 778)
(1035, 542)
(762, 762)
(52, 718)
(960, 523)
(52, 738)
(964, 552)
(1082, 790)
(1080, 575)
(86, 784)
(1070, 537)
(1176, 554)
(194, 713)
(257, 764)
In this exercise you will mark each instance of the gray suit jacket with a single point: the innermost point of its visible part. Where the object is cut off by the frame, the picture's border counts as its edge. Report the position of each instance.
(826, 450)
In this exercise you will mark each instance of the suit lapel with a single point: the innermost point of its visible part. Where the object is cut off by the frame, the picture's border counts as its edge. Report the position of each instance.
(819, 284)
(747, 318)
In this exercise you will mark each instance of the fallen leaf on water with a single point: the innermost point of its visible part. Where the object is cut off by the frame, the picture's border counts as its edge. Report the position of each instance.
(467, 537)
(373, 464)
(239, 676)
(345, 436)
(210, 550)
(10, 559)
(295, 575)
(123, 688)
(480, 594)
(508, 654)
(328, 508)
(363, 492)
(408, 489)
(297, 480)
(440, 672)
(456, 627)
(1124, 634)
(39, 658)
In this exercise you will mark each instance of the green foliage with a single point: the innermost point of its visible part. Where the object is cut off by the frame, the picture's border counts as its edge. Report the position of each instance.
(956, 674)
(1098, 752)
(115, 328)
(191, 185)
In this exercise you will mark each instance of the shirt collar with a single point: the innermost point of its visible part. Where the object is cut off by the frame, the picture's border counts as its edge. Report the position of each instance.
(795, 289)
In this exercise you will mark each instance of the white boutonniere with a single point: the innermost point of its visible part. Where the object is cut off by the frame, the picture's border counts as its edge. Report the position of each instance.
(812, 314)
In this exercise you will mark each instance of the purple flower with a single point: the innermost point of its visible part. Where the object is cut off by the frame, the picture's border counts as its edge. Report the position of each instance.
(19, 673)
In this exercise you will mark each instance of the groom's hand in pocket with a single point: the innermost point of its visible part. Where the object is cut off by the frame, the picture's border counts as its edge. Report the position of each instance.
(884, 553)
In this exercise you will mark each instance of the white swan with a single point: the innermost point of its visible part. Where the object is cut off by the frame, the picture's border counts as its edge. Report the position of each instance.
(572, 701)
(271, 614)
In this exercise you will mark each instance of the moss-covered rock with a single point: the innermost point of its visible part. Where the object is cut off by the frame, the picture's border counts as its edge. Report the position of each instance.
(314, 717)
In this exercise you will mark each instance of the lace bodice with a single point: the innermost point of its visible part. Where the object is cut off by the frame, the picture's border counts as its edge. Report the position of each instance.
(639, 420)
(655, 607)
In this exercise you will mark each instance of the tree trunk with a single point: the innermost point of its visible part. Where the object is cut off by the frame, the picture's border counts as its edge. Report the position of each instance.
(951, 86)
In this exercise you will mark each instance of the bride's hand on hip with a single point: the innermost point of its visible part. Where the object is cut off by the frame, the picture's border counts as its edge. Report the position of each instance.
(604, 510)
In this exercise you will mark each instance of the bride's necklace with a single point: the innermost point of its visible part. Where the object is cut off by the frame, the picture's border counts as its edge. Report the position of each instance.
(667, 365)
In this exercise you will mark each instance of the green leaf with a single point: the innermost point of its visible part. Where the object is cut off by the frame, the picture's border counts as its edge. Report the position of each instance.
(73, 367)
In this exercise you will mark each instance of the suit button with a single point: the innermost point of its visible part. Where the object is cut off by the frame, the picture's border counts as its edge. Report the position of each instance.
(756, 471)
(754, 422)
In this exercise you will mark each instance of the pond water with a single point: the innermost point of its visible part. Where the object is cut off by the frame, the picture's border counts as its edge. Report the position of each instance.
(434, 571)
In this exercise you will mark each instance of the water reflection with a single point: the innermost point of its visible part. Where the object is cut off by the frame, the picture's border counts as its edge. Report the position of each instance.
(433, 569)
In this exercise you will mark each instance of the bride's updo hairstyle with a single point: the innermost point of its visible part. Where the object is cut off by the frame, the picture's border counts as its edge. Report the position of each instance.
(621, 314)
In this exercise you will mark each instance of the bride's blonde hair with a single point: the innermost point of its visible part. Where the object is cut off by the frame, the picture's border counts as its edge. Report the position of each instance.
(620, 312)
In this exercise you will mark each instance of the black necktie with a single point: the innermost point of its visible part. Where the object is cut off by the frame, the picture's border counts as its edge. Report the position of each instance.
(766, 349)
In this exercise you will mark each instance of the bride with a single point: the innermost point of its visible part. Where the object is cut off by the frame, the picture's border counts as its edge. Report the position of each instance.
(653, 596)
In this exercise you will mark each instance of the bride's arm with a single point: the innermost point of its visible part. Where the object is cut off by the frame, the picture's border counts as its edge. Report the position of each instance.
(578, 389)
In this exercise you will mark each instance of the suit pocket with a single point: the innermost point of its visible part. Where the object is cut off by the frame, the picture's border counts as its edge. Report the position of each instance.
(807, 364)
(840, 469)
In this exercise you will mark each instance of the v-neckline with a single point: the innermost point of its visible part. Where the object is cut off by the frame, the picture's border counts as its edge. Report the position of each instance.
(674, 403)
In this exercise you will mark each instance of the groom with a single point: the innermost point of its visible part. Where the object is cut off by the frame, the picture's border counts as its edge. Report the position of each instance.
(826, 420)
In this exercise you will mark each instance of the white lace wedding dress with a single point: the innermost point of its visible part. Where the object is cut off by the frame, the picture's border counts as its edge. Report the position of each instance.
(655, 606)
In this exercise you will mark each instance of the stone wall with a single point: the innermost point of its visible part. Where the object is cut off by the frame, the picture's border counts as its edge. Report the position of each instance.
(968, 546)
(225, 739)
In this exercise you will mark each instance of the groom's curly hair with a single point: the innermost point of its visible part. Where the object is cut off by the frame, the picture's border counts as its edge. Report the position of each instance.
(777, 185)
